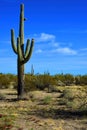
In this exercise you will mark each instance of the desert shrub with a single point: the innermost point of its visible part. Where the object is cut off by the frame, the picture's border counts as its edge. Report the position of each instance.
(53, 88)
(78, 79)
(68, 94)
(83, 80)
(2, 97)
(34, 82)
(44, 81)
(69, 79)
(12, 81)
(60, 83)
(30, 82)
(40, 82)
(75, 98)
(63, 80)
(60, 77)
(5, 80)
(47, 100)
(6, 122)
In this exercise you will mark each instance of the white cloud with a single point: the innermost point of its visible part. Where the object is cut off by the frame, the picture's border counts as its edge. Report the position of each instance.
(43, 37)
(52, 46)
(65, 50)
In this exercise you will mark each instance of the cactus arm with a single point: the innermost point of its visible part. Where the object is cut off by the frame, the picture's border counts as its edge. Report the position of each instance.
(30, 52)
(20, 56)
(21, 29)
(27, 48)
(13, 41)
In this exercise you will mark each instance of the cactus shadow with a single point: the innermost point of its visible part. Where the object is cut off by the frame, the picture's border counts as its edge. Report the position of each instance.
(60, 114)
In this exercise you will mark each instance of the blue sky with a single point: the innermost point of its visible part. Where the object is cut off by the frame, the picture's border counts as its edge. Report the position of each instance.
(60, 32)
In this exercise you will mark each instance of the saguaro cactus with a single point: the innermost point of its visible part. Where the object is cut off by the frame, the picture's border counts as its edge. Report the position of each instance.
(32, 70)
(22, 55)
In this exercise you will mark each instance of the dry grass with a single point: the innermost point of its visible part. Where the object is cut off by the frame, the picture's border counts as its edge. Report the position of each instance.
(34, 114)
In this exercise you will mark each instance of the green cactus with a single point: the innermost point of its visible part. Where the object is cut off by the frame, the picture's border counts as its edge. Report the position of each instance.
(23, 55)
(32, 70)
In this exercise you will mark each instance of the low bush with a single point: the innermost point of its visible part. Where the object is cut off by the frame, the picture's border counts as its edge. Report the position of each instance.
(75, 98)
(47, 100)
(44, 81)
(2, 97)
(5, 80)
(30, 83)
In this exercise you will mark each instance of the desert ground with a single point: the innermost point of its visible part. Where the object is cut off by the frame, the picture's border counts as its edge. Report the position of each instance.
(40, 110)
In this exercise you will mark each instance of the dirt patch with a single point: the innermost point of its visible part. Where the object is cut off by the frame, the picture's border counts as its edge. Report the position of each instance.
(39, 112)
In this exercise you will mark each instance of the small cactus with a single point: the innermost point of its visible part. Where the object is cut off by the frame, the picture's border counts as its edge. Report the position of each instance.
(32, 70)
(23, 55)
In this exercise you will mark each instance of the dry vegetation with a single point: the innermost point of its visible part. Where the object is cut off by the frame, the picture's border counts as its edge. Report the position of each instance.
(63, 110)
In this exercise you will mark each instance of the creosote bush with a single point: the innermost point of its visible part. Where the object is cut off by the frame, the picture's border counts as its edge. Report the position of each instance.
(75, 98)
(6, 79)
(2, 97)
(47, 100)
(30, 82)
(42, 82)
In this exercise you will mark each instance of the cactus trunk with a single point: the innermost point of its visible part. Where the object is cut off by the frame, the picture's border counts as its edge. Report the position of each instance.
(23, 56)
(19, 65)
(20, 87)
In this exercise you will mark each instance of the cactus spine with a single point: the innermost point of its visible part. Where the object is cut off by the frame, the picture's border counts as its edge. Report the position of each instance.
(23, 55)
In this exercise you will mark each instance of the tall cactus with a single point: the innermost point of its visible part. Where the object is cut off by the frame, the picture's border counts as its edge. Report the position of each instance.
(23, 55)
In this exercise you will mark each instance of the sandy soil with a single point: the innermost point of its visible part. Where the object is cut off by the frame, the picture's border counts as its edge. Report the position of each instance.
(39, 112)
